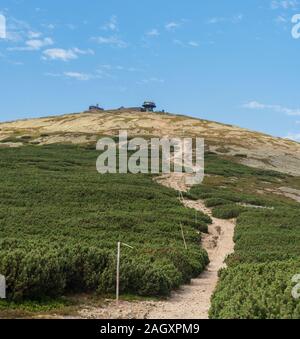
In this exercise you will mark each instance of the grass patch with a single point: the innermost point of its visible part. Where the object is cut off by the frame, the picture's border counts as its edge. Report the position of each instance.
(258, 281)
(60, 221)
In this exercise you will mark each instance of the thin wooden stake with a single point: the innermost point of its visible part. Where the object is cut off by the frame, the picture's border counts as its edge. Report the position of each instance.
(118, 270)
(183, 237)
(181, 197)
(118, 273)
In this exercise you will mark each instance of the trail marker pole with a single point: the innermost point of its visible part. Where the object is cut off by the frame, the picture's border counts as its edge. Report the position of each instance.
(118, 270)
(118, 273)
(181, 197)
(183, 237)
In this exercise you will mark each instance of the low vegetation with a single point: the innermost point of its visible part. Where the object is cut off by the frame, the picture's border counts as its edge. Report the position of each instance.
(60, 222)
(258, 281)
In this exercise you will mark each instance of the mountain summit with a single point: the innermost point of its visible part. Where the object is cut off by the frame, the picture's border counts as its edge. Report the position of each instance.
(248, 147)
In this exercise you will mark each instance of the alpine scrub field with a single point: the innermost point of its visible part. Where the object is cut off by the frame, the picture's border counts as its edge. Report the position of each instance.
(60, 221)
(258, 282)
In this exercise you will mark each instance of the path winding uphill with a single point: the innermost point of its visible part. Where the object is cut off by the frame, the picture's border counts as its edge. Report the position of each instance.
(193, 301)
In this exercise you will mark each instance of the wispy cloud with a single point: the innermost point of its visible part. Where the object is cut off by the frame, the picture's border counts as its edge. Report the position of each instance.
(79, 76)
(193, 43)
(108, 67)
(33, 45)
(64, 54)
(178, 42)
(153, 32)
(281, 19)
(151, 81)
(113, 41)
(284, 4)
(112, 24)
(181, 43)
(49, 26)
(255, 105)
(34, 35)
(17, 30)
(172, 26)
(84, 51)
(233, 19)
(293, 136)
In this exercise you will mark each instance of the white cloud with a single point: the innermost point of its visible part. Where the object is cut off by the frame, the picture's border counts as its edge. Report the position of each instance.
(151, 80)
(20, 31)
(193, 43)
(255, 105)
(293, 136)
(54, 75)
(34, 35)
(78, 76)
(112, 41)
(234, 19)
(178, 42)
(284, 4)
(37, 44)
(50, 26)
(33, 45)
(65, 54)
(59, 54)
(84, 52)
(153, 32)
(16, 30)
(109, 71)
(281, 19)
(112, 25)
(172, 26)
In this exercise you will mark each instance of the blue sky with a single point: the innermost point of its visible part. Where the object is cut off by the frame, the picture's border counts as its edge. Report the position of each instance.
(225, 60)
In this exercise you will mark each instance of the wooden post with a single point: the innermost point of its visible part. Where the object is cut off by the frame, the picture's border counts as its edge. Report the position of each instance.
(118, 270)
(183, 237)
(118, 273)
(181, 197)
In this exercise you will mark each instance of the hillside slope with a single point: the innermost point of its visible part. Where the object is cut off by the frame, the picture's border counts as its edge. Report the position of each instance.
(250, 148)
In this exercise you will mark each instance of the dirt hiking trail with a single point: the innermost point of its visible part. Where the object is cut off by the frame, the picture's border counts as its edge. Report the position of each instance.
(190, 301)
(193, 301)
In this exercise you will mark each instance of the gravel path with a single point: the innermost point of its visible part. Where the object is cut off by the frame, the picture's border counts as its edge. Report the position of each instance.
(193, 301)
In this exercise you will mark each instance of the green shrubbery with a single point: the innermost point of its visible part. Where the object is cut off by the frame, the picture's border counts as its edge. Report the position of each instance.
(229, 211)
(219, 166)
(60, 222)
(258, 282)
(257, 291)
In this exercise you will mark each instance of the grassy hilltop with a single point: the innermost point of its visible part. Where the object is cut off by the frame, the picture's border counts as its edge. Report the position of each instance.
(60, 220)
